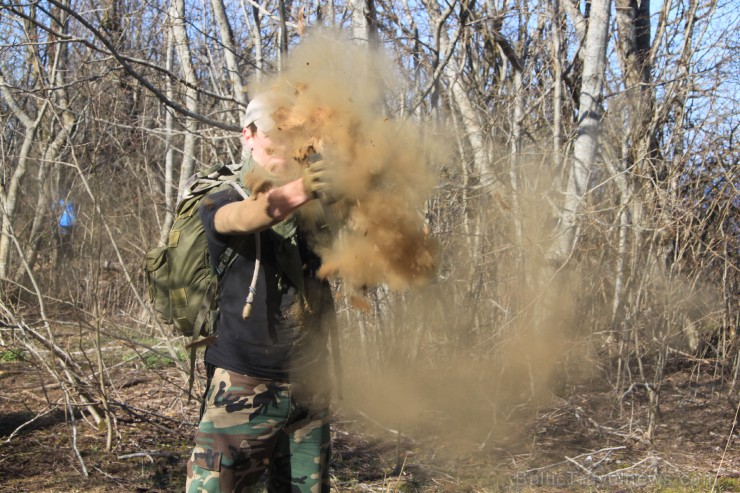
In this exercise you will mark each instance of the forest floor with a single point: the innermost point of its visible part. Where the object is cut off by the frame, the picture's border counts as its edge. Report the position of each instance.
(587, 439)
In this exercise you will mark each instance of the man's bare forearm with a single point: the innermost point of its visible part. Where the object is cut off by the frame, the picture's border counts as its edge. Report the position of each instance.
(262, 211)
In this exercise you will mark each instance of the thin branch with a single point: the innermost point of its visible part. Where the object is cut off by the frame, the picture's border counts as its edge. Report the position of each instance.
(136, 75)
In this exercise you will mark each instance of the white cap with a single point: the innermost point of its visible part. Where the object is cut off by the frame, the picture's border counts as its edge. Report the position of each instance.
(259, 112)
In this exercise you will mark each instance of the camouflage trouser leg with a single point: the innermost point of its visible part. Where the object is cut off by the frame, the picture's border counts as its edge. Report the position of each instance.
(252, 424)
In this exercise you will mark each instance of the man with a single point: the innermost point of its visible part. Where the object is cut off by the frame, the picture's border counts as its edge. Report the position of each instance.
(267, 404)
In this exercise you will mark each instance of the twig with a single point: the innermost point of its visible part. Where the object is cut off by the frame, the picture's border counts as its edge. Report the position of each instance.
(607, 451)
(113, 478)
(130, 408)
(148, 454)
(727, 445)
(131, 411)
(550, 466)
(588, 472)
(399, 468)
(19, 428)
(622, 471)
(74, 435)
(389, 430)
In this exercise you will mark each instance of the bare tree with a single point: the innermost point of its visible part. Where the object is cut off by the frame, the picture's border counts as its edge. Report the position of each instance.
(589, 116)
(364, 22)
(21, 156)
(182, 47)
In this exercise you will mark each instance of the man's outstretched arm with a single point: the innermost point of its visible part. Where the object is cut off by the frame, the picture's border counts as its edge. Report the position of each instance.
(261, 211)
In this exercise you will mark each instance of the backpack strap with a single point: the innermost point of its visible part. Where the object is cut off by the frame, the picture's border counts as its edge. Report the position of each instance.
(200, 321)
(225, 260)
(247, 311)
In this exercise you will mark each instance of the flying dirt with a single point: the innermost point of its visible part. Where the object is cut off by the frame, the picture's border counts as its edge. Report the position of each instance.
(333, 99)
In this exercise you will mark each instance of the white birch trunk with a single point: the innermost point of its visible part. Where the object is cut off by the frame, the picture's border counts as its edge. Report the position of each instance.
(259, 58)
(232, 64)
(362, 28)
(9, 195)
(514, 162)
(182, 46)
(589, 114)
(469, 117)
(227, 41)
(169, 156)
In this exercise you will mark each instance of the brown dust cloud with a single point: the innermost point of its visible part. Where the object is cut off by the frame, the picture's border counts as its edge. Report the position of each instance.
(333, 98)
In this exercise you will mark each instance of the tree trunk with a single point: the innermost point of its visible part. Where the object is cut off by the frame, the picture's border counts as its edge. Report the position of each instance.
(557, 83)
(589, 116)
(182, 46)
(364, 21)
(169, 156)
(259, 61)
(633, 25)
(9, 195)
(53, 150)
(460, 97)
(232, 63)
(282, 35)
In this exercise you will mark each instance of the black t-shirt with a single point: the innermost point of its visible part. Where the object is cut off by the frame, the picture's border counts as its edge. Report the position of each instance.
(284, 336)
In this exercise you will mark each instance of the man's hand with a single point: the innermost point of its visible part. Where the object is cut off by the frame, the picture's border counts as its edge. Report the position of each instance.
(317, 180)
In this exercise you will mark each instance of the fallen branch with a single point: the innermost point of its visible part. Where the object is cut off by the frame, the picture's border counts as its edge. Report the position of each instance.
(148, 454)
(133, 412)
(73, 422)
(586, 470)
(607, 450)
(23, 425)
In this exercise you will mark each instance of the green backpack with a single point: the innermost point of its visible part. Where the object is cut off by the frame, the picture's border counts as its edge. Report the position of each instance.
(182, 284)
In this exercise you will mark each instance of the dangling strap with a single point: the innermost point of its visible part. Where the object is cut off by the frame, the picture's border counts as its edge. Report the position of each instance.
(255, 275)
(247, 311)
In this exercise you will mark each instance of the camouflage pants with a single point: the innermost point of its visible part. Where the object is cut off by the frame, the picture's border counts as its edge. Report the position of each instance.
(251, 425)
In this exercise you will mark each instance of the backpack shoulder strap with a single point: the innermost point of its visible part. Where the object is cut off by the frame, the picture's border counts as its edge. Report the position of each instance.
(207, 180)
(229, 254)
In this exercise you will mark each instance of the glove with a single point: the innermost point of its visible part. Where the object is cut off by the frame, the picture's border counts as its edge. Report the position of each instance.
(317, 180)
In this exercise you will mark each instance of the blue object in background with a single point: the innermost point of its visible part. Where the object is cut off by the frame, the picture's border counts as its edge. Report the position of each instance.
(68, 217)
